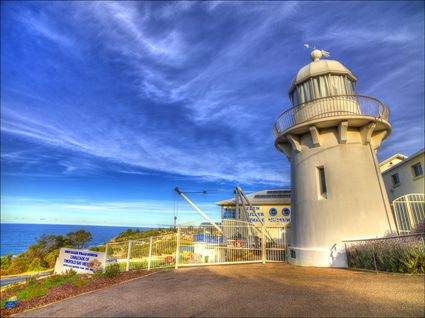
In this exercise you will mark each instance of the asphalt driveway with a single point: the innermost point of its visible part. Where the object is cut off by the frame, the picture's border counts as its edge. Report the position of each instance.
(256, 290)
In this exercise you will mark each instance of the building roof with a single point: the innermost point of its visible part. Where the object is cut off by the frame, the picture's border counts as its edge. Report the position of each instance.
(278, 196)
(387, 163)
(406, 160)
(320, 67)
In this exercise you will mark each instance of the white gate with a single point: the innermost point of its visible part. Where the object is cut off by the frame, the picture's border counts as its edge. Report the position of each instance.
(237, 242)
(409, 211)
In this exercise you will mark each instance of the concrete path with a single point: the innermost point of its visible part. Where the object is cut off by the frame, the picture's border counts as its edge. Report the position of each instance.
(256, 290)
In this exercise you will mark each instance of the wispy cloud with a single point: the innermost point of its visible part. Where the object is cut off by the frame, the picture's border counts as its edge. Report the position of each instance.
(193, 88)
(135, 213)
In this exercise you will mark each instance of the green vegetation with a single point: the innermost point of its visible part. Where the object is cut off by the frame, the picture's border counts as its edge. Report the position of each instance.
(34, 288)
(137, 234)
(42, 255)
(400, 255)
(80, 283)
(112, 270)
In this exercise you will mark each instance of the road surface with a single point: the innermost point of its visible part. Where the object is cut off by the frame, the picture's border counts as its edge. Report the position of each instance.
(251, 290)
(14, 279)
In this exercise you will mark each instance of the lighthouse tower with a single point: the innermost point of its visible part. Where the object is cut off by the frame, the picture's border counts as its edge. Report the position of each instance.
(331, 134)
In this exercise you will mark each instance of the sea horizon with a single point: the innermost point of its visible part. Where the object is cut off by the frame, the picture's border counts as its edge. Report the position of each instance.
(17, 237)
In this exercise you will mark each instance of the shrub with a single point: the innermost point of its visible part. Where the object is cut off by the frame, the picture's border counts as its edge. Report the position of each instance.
(96, 265)
(139, 266)
(6, 261)
(35, 265)
(79, 283)
(30, 280)
(51, 258)
(419, 228)
(69, 272)
(19, 265)
(112, 270)
(400, 255)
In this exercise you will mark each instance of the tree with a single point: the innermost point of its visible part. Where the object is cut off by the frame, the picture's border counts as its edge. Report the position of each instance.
(79, 239)
(6, 261)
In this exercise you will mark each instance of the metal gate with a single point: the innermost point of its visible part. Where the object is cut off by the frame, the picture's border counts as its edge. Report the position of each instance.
(233, 241)
(409, 211)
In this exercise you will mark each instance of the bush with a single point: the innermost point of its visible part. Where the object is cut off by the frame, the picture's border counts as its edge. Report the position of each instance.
(112, 270)
(96, 265)
(79, 283)
(35, 265)
(139, 266)
(6, 261)
(400, 255)
(69, 272)
(19, 265)
(419, 228)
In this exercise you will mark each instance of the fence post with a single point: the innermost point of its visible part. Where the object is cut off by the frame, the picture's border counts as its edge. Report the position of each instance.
(178, 246)
(106, 256)
(150, 253)
(263, 244)
(374, 257)
(409, 212)
(127, 267)
(285, 244)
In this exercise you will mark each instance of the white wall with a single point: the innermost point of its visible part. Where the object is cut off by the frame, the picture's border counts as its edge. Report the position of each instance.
(408, 182)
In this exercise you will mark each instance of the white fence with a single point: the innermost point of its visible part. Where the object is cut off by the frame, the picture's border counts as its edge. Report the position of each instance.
(235, 242)
(409, 211)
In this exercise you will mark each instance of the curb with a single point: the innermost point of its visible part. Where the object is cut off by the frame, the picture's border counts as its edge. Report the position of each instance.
(82, 294)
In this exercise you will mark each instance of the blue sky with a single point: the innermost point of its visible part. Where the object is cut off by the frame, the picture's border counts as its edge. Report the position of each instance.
(106, 107)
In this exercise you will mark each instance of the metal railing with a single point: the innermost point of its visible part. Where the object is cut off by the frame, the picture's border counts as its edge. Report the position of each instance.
(331, 106)
(144, 254)
(236, 242)
(409, 211)
(404, 253)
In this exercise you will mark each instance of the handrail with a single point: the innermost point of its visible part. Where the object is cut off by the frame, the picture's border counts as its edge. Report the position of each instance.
(331, 106)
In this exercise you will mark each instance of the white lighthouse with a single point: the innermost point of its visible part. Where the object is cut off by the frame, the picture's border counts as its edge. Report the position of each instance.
(331, 135)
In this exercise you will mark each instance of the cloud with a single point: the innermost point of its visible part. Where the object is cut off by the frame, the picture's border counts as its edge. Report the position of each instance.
(194, 88)
(133, 213)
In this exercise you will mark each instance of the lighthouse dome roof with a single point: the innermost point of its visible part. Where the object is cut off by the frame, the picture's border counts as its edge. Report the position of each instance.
(320, 67)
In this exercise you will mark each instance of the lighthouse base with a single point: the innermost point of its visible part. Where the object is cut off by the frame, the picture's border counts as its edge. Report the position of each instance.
(318, 257)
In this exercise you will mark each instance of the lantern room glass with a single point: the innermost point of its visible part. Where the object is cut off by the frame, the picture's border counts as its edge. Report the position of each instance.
(322, 86)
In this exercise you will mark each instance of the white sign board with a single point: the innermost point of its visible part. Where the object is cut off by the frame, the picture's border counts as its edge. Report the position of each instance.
(78, 260)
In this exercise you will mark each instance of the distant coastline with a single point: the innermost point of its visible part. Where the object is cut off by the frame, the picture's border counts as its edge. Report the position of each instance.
(17, 237)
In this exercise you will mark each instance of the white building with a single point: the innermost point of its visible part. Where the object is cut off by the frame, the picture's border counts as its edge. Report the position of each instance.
(405, 176)
(330, 135)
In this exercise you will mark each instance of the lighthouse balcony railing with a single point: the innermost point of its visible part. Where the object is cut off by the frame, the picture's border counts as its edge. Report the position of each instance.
(331, 106)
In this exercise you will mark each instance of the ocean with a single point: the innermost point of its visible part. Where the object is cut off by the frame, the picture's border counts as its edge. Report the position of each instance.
(15, 238)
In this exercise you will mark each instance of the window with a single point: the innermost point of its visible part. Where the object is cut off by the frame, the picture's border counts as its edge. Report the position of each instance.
(322, 181)
(396, 179)
(417, 170)
(350, 85)
(294, 97)
(338, 85)
(321, 86)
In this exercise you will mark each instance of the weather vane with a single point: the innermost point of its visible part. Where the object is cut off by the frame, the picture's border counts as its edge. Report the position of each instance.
(316, 54)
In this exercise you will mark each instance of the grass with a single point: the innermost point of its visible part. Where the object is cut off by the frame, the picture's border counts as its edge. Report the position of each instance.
(80, 283)
(34, 288)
